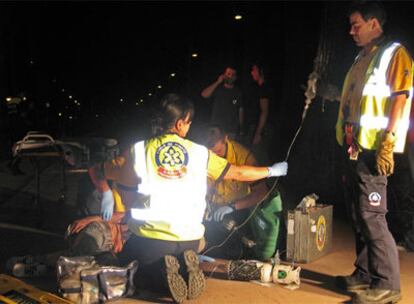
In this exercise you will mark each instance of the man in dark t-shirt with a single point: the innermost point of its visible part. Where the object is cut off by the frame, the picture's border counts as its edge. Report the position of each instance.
(227, 109)
(258, 103)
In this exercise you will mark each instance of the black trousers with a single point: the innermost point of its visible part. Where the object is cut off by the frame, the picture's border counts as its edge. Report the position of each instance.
(366, 199)
(150, 256)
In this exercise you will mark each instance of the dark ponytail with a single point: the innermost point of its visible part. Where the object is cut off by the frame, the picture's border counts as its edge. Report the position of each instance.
(171, 108)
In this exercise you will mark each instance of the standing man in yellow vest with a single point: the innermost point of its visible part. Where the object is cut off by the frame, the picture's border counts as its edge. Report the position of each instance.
(372, 125)
(172, 184)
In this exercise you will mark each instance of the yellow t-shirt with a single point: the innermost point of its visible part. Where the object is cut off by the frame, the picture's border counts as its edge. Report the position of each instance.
(121, 171)
(226, 191)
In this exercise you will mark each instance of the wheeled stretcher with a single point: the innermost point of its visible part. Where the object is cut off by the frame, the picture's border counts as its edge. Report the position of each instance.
(75, 154)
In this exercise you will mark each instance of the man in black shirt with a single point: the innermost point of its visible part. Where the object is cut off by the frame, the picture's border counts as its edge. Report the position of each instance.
(227, 108)
(257, 115)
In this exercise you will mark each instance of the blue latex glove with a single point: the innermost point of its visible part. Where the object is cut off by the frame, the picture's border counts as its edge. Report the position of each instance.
(107, 205)
(278, 169)
(221, 212)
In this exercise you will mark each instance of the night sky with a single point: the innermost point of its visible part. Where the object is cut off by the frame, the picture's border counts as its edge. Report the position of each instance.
(101, 52)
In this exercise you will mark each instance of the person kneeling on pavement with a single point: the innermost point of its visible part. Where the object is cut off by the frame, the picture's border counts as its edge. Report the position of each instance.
(229, 201)
(167, 229)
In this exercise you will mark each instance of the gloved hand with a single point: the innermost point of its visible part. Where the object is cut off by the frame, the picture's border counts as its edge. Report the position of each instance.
(278, 169)
(219, 214)
(385, 156)
(107, 205)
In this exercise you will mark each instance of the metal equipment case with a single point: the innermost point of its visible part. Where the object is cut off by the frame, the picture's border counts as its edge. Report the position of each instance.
(309, 233)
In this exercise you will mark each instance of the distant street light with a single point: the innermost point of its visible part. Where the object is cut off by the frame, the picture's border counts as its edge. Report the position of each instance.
(238, 17)
(194, 55)
(149, 94)
(70, 96)
(159, 86)
(172, 74)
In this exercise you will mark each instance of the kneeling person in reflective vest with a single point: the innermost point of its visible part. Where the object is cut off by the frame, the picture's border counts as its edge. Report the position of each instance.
(172, 173)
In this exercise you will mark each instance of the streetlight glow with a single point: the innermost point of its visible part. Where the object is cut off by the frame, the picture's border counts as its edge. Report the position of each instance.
(172, 74)
(238, 17)
(159, 86)
(194, 55)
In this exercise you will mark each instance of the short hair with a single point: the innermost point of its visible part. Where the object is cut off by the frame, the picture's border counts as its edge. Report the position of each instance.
(230, 67)
(171, 108)
(369, 10)
(214, 133)
(260, 67)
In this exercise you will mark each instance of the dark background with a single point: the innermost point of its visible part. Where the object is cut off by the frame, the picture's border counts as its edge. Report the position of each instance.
(101, 52)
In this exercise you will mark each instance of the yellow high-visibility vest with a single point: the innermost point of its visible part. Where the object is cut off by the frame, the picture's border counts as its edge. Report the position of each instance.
(173, 174)
(375, 105)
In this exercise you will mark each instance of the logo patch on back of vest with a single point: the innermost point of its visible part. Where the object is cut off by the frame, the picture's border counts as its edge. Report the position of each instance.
(171, 159)
(374, 199)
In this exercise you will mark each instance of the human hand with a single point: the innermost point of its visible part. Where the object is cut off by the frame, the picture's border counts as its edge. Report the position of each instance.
(257, 139)
(278, 169)
(107, 205)
(385, 156)
(221, 212)
(78, 225)
(220, 79)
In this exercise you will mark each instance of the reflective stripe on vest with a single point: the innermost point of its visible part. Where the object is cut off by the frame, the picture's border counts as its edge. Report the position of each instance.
(376, 105)
(178, 200)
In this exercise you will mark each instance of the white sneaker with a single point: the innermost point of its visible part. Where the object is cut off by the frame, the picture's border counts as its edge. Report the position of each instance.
(26, 259)
(22, 270)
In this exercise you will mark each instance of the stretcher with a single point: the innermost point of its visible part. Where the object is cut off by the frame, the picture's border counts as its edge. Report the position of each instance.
(75, 154)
